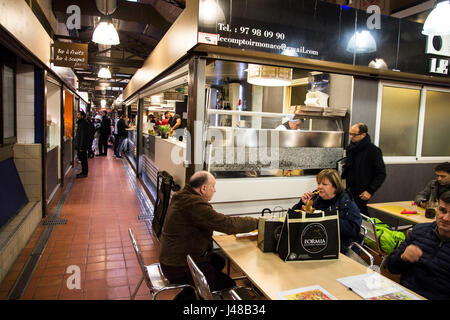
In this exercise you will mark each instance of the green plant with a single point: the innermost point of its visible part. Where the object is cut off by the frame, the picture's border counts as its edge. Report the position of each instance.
(164, 129)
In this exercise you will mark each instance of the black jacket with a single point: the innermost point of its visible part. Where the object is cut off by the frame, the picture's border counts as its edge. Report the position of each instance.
(91, 131)
(349, 217)
(105, 126)
(82, 135)
(430, 276)
(121, 128)
(364, 168)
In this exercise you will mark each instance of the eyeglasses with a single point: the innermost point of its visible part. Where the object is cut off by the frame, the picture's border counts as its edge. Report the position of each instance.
(354, 134)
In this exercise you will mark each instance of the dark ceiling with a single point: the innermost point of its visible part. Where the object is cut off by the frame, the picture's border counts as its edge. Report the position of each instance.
(140, 26)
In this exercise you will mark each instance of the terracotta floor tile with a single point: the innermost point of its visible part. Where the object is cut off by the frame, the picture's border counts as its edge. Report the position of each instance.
(117, 281)
(95, 239)
(98, 294)
(118, 292)
(95, 259)
(96, 252)
(115, 265)
(119, 272)
(96, 275)
(98, 266)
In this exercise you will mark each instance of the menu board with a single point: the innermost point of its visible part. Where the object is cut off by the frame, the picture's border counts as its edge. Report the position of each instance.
(68, 54)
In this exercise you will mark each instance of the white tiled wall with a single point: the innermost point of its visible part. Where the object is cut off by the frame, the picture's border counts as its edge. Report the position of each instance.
(15, 235)
(25, 103)
(27, 158)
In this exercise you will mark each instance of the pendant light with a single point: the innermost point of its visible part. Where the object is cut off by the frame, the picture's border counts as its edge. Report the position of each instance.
(362, 42)
(105, 33)
(438, 22)
(270, 76)
(104, 73)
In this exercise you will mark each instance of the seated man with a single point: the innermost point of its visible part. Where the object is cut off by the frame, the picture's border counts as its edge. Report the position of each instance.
(435, 187)
(423, 259)
(188, 229)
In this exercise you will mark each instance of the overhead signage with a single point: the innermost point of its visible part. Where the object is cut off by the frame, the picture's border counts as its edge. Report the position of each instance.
(69, 54)
(318, 30)
(84, 86)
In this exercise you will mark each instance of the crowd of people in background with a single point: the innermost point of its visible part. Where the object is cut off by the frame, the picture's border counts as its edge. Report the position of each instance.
(96, 133)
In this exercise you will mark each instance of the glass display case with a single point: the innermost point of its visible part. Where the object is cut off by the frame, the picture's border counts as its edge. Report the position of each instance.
(248, 130)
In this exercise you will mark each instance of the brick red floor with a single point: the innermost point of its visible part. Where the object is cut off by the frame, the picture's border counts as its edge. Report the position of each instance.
(99, 210)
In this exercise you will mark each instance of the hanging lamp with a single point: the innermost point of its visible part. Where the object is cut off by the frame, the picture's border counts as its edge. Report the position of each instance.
(104, 73)
(105, 32)
(270, 76)
(438, 21)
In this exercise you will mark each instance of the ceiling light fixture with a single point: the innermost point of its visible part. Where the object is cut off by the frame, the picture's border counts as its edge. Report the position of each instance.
(268, 75)
(438, 22)
(105, 33)
(362, 42)
(104, 73)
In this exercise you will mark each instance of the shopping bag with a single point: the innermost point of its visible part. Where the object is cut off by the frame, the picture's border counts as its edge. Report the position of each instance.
(269, 227)
(309, 236)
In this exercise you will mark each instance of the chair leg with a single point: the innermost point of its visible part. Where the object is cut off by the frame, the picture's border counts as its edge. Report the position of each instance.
(137, 288)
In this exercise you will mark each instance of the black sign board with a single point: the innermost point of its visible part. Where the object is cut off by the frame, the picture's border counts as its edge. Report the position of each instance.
(316, 30)
(85, 86)
(68, 54)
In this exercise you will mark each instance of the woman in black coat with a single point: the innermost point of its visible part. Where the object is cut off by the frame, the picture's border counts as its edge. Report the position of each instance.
(331, 196)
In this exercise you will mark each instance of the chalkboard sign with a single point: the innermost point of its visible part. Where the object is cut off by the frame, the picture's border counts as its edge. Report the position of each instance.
(72, 55)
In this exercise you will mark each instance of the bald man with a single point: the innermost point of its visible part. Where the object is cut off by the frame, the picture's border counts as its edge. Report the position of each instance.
(364, 169)
(188, 229)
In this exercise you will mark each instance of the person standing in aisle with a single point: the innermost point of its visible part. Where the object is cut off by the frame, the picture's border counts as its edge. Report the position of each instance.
(121, 135)
(82, 143)
(91, 137)
(364, 169)
(105, 131)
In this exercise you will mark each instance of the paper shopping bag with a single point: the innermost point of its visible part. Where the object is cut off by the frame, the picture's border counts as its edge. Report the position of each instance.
(306, 236)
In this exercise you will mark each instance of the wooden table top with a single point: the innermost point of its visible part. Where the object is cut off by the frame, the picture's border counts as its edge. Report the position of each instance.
(395, 208)
(271, 275)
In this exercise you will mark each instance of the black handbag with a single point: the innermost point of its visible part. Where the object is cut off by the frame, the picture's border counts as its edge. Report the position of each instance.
(309, 236)
(269, 228)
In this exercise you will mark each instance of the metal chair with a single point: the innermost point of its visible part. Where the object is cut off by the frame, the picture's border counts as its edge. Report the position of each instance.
(153, 275)
(353, 255)
(369, 224)
(203, 290)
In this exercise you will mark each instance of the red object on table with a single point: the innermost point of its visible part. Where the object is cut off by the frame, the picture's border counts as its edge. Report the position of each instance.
(408, 212)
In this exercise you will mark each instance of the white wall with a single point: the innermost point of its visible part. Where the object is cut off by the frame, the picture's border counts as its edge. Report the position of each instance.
(25, 103)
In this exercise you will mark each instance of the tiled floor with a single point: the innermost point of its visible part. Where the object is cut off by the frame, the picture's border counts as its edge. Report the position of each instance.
(99, 210)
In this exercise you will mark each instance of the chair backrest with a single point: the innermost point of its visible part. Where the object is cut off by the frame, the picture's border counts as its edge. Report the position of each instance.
(363, 234)
(140, 259)
(369, 224)
(357, 257)
(199, 278)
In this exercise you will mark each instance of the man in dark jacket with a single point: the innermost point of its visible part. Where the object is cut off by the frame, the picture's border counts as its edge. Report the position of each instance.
(82, 137)
(364, 169)
(121, 135)
(91, 137)
(188, 229)
(105, 131)
(423, 259)
(435, 187)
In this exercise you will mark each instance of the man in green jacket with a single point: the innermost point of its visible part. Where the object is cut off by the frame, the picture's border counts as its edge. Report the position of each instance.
(188, 229)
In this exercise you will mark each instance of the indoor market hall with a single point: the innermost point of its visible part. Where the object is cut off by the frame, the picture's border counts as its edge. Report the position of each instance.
(255, 150)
